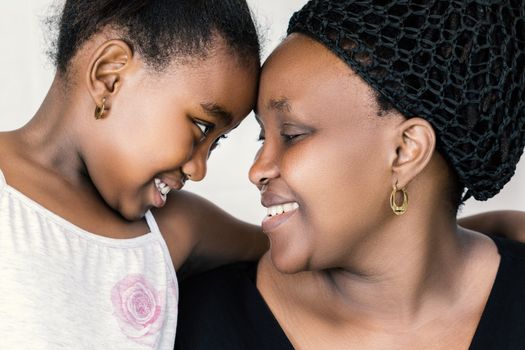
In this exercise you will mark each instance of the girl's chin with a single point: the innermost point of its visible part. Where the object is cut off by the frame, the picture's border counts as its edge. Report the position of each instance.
(135, 214)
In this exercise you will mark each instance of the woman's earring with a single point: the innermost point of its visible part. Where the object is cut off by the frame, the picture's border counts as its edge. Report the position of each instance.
(398, 210)
(99, 110)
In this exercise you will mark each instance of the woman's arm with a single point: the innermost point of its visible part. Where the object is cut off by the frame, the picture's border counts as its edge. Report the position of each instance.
(505, 223)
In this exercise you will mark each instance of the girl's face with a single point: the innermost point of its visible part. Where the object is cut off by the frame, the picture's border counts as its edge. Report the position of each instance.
(323, 169)
(161, 129)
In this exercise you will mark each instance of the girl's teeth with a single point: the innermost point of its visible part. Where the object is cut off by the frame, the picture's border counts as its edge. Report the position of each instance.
(165, 190)
(282, 208)
(162, 188)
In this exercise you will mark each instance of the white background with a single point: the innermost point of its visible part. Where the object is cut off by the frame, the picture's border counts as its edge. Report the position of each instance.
(26, 73)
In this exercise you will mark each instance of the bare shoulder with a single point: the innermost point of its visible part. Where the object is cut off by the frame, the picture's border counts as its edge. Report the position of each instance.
(16, 163)
(8, 155)
(179, 220)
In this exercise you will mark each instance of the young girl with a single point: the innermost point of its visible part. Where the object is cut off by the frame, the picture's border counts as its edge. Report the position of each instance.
(143, 92)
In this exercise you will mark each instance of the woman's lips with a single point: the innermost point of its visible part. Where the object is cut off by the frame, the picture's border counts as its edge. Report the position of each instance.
(278, 214)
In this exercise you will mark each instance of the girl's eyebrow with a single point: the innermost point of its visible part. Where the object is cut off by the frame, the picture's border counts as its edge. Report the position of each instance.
(216, 111)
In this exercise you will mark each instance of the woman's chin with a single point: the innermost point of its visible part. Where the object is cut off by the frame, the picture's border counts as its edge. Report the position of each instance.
(287, 262)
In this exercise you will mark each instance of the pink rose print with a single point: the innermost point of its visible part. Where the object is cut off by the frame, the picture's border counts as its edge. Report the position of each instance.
(138, 309)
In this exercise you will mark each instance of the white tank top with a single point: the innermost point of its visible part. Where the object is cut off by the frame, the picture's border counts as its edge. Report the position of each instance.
(62, 287)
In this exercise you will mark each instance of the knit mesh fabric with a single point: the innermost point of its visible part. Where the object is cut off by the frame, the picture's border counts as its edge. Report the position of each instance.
(458, 64)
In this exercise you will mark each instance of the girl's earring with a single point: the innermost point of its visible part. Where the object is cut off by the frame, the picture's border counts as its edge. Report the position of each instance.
(99, 110)
(398, 210)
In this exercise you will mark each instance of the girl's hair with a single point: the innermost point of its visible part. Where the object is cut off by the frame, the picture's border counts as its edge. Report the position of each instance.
(160, 30)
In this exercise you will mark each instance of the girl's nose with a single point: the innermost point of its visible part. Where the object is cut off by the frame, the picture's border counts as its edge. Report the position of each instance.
(195, 168)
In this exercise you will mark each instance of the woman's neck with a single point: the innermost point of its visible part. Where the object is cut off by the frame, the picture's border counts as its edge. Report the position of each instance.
(400, 283)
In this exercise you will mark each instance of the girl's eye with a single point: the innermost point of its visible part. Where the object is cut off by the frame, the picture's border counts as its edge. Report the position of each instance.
(261, 136)
(216, 143)
(205, 128)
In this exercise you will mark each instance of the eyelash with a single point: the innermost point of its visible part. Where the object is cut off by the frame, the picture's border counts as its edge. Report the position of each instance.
(216, 143)
(287, 138)
(261, 137)
(290, 138)
(205, 128)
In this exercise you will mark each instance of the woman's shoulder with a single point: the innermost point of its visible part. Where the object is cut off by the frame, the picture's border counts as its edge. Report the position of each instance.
(502, 325)
(224, 278)
(510, 249)
(218, 291)
(510, 278)
(222, 309)
(212, 308)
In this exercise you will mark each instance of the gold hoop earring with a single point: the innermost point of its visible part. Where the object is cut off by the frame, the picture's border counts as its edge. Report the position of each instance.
(398, 210)
(99, 110)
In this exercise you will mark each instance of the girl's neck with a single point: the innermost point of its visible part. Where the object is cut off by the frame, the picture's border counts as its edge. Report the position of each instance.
(50, 140)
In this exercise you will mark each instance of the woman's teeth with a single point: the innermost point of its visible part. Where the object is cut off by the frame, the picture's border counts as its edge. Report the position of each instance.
(282, 208)
(162, 188)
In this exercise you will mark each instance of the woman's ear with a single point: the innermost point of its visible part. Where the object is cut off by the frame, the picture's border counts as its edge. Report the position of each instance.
(106, 69)
(415, 146)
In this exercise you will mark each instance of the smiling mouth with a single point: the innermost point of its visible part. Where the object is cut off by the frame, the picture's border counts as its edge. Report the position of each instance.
(279, 209)
(163, 189)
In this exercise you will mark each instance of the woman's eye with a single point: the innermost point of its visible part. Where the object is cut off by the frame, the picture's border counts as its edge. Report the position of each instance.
(291, 137)
(205, 128)
(291, 133)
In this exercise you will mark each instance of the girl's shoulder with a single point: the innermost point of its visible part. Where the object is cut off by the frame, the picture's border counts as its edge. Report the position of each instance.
(2, 182)
(7, 160)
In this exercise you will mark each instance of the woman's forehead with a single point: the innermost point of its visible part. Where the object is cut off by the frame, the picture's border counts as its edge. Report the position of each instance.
(300, 52)
(304, 74)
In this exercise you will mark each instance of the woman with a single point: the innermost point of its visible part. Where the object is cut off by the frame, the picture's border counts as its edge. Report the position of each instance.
(365, 105)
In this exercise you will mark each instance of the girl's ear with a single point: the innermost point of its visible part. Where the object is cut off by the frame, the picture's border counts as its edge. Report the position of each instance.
(416, 143)
(107, 68)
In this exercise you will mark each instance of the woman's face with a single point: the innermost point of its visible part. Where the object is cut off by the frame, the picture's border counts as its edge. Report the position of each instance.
(324, 163)
(162, 127)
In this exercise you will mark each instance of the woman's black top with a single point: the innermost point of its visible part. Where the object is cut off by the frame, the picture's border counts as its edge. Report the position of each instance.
(223, 310)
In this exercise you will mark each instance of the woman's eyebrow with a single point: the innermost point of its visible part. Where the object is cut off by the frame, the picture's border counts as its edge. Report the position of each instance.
(282, 104)
(216, 111)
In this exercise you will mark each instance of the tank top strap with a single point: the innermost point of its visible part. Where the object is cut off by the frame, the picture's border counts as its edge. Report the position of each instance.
(152, 223)
(154, 230)
(3, 183)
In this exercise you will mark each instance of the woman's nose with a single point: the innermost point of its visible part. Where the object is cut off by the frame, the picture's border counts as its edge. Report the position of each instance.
(264, 167)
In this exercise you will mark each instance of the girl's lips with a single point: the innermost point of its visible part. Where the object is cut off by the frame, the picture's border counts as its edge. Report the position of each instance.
(270, 223)
(158, 199)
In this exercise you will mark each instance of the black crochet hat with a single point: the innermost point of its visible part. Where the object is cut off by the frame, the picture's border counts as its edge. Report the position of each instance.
(460, 64)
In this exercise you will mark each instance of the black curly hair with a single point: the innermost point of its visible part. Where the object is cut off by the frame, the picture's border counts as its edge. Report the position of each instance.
(160, 30)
